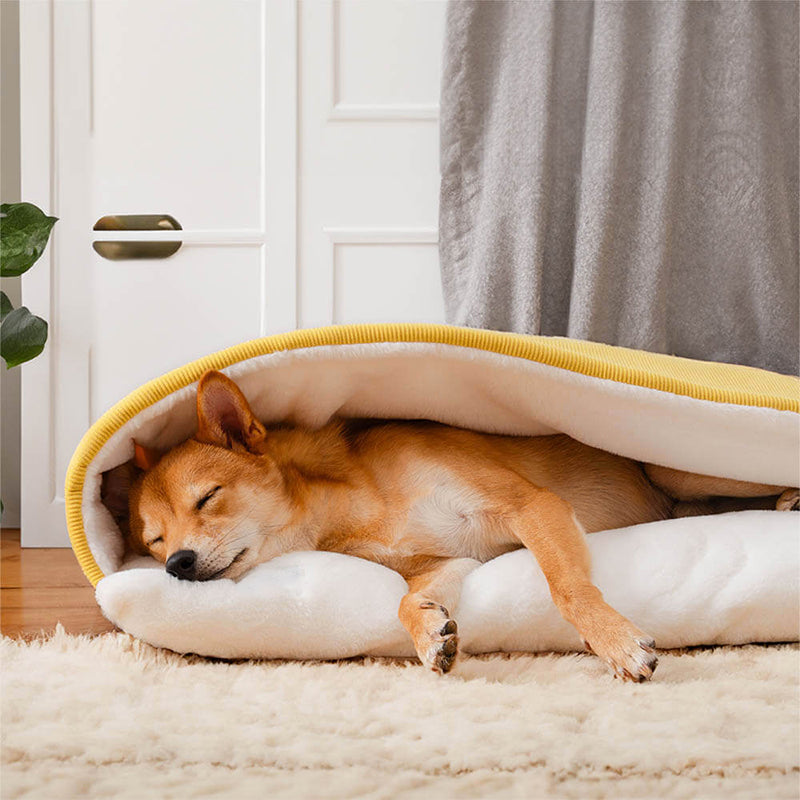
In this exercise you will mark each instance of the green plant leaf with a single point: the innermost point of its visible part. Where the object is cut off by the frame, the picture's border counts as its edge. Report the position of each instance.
(5, 306)
(22, 336)
(24, 231)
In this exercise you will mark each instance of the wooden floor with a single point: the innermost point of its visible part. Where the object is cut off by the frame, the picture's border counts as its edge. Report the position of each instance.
(40, 587)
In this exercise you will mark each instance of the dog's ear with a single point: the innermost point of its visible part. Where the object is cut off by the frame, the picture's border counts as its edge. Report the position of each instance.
(224, 417)
(115, 489)
(116, 482)
(145, 458)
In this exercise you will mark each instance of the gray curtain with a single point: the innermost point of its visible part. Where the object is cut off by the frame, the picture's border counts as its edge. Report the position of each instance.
(624, 172)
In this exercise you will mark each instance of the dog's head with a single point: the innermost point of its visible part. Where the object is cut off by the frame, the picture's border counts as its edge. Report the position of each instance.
(206, 507)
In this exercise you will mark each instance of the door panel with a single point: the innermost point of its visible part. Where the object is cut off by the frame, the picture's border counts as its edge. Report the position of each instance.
(153, 316)
(387, 53)
(386, 283)
(177, 90)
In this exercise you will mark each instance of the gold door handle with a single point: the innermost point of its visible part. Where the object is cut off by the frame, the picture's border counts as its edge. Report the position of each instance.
(120, 251)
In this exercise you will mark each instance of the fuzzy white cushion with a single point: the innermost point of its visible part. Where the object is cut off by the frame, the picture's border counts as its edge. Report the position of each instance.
(728, 579)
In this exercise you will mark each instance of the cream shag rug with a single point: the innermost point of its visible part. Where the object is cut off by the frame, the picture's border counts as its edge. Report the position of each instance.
(112, 717)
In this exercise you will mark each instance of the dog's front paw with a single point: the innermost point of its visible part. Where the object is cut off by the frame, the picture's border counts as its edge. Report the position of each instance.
(436, 637)
(789, 501)
(629, 652)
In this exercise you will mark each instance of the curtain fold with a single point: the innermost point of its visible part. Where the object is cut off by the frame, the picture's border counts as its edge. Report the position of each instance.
(625, 173)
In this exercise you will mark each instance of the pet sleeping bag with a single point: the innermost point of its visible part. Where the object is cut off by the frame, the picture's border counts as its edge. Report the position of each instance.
(725, 579)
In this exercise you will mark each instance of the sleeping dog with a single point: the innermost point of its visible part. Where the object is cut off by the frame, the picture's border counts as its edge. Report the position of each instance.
(430, 501)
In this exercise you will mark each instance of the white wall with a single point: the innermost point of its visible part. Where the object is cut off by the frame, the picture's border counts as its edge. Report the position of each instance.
(9, 193)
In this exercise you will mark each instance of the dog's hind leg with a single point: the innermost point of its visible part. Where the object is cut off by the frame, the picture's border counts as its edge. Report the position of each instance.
(434, 588)
(697, 495)
(547, 526)
(688, 486)
(789, 501)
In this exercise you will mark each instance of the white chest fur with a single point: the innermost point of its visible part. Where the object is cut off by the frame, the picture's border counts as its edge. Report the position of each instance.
(447, 517)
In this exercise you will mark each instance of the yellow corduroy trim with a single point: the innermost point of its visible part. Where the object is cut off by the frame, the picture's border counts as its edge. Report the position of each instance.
(702, 380)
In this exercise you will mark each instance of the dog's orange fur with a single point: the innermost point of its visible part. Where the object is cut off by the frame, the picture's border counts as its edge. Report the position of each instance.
(427, 500)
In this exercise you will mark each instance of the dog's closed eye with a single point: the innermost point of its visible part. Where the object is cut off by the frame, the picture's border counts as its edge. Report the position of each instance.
(206, 497)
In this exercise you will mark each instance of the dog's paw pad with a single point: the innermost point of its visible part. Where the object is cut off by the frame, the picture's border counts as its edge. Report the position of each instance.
(437, 638)
(632, 656)
(441, 656)
(429, 605)
(638, 663)
(789, 501)
(449, 627)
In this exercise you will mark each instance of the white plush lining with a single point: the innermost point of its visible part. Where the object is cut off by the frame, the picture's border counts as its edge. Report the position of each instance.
(268, 613)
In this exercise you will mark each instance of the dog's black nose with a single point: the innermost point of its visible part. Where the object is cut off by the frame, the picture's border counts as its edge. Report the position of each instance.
(183, 565)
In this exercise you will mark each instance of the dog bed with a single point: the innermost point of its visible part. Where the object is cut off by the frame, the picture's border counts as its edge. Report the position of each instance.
(724, 579)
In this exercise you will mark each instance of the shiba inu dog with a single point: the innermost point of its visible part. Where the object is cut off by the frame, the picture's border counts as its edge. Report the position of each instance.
(428, 500)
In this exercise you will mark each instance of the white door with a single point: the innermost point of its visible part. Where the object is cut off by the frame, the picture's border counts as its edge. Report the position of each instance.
(369, 162)
(296, 144)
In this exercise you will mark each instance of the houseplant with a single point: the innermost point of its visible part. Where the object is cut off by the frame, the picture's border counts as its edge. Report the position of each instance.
(24, 232)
